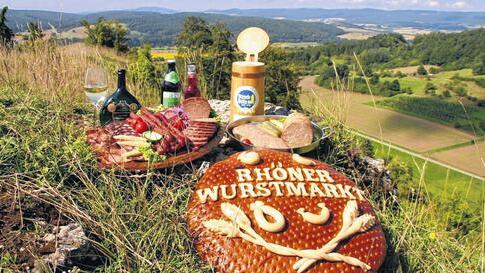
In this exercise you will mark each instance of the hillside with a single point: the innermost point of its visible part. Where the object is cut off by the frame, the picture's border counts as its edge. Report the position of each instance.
(161, 29)
(49, 174)
(435, 20)
(448, 50)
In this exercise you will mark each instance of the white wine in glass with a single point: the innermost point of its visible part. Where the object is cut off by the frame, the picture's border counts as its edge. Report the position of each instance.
(96, 86)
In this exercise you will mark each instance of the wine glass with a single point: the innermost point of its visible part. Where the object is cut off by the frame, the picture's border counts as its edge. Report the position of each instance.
(96, 87)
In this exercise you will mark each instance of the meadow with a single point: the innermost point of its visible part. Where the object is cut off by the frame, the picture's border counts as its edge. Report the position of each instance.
(437, 181)
(408, 132)
(359, 112)
(137, 221)
(418, 83)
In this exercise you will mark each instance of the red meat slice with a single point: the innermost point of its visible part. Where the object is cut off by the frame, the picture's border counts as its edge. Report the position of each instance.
(196, 108)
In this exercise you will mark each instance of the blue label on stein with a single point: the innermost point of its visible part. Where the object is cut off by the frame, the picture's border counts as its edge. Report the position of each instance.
(246, 100)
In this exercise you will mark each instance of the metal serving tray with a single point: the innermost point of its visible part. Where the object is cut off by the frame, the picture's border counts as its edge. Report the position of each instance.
(319, 134)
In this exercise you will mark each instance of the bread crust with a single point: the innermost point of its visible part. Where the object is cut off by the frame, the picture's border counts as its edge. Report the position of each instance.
(231, 255)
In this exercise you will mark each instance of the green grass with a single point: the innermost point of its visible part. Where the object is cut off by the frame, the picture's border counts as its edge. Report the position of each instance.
(138, 220)
(417, 84)
(439, 181)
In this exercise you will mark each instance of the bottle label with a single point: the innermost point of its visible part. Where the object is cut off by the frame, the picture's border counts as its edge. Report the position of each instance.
(172, 77)
(247, 100)
(121, 110)
(171, 98)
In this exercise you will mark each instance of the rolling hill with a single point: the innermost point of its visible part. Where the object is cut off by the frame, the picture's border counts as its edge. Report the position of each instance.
(161, 29)
(435, 20)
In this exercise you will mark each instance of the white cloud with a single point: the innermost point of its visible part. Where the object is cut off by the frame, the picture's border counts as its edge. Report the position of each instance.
(434, 4)
(459, 5)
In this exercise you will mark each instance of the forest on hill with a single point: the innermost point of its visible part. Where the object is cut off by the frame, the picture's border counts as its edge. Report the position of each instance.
(162, 29)
(447, 50)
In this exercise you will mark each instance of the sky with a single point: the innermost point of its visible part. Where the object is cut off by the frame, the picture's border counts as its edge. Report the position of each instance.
(191, 5)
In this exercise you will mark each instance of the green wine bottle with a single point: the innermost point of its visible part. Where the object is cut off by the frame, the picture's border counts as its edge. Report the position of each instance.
(171, 86)
(118, 106)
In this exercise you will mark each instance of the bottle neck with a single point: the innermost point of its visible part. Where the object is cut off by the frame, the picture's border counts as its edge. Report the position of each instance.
(171, 68)
(121, 80)
(192, 80)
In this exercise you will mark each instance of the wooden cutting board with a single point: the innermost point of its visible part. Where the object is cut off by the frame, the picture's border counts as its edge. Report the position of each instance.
(180, 157)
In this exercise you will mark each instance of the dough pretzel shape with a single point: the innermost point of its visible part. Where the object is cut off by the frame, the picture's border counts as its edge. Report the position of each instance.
(240, 226)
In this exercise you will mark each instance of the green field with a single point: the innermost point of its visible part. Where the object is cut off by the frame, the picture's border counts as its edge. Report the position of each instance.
(439, 181)
(417, 83)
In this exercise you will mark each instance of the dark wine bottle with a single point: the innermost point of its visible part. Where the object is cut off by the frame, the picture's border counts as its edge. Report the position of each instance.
(118, 106)
(171, 87)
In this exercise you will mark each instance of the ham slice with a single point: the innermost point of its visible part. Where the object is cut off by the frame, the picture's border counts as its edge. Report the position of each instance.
(258, 137)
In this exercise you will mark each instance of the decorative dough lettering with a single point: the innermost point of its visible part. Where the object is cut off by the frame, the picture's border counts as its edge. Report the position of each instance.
(324, 176)
(279, 173)
(208, 192)
(298, 190)
(244, 175)
(262, 189)
(345, 191)
(265, 172)
(247, 189)
(309, 174)
(224, 191)
(315, 190)
(331, 190)
(296, 174)
(277, 186)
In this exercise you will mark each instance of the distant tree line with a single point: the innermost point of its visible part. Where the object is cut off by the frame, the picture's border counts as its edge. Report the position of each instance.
(450, 51)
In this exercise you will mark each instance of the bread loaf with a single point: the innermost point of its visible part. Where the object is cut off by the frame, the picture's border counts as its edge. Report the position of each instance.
(270, 215)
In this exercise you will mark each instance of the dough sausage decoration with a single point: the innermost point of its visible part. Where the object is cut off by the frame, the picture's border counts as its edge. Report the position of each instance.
(303, 160)
(240, 226)
(260, 209)
(317, 219)
(250, 158)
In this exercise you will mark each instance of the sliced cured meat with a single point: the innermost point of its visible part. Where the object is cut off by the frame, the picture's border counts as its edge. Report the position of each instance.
(258, 137)
(199, 131)
(297, 130)
(196, 108)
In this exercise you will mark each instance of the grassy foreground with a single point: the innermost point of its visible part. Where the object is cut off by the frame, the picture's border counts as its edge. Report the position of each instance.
(137, 221)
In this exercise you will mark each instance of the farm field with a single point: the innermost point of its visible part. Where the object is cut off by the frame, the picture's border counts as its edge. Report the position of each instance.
(165, 53)
(411, 132)
(411, 69)
(417, 83)
(448, 113)
(435, 179)
(295, 44)
(471, 157)
(406, 131)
